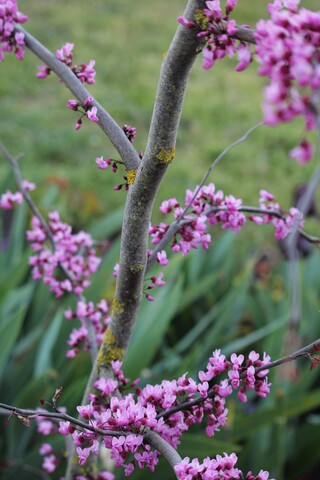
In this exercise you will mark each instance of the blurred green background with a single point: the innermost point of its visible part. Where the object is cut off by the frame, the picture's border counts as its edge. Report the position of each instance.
(235, 296)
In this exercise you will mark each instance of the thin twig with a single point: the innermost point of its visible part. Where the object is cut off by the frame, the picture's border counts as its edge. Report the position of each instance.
(19, 179)
(16, 170)
(106, 122)
(213, 164)
(26, 413)
(199, 400)
(175, 227)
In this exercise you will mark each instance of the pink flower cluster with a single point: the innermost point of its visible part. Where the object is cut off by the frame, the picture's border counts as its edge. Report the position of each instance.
(85, 72)
(50, 461)
(288, 48)
(73, 251)
(210, 207)
(130, 132)
(169, 409)
(11, 41)
(219, 32)
(283, 226)
(8, 199)
(87, 110)
(213, 207)
(221, 467)
(87, 312)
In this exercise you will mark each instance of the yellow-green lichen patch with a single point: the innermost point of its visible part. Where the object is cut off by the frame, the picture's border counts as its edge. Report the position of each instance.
(136, 267)
(131, 175)
(201, 19)
(108, 351)
(116, 307)
(166, 155)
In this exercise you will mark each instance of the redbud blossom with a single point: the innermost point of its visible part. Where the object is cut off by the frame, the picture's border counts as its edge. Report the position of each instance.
(11, 41)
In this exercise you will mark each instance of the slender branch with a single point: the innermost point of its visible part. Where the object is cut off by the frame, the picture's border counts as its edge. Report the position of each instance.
(289, 358)
(19, 179)
(60, 416)
(199, 400)
(151, 437)
(16, 170)
(171, 232)
(243, 34)
(214, 163)
(115, 133)
(158, 155)
(176, 225)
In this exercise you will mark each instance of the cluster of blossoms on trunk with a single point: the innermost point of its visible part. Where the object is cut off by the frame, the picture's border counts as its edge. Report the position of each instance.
(169, 409)
(218, 30)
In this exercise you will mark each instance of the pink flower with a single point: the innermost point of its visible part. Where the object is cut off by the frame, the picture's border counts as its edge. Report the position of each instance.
(49, 463)
(106, 386)
(185, 22)
(66, 428)
(65, 52)
(28, 186)
(130, 132)
(103, 163)
(244, 57)
(303, 153)
(92, 114)
(116, 270)
(44, 71)
(86, 73)
(162, 258)
(73, 104)
(83, 454)
(45, 449)
(8, 199)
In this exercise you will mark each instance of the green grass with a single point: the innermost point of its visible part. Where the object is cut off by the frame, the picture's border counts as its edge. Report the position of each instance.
(128, 43)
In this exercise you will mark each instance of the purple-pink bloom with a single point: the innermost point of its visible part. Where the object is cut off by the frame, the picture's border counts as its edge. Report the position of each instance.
(92, 114)
(45, 449)
(65, 52)
(106, 386)
(303, 153)
(49, 463)
(162, 258)
(8, 199)
(44, 71)
(73, 104)
(103, 163)
(185, 22)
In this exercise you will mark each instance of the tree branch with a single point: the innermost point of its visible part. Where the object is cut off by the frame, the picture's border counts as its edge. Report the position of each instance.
(17, 173)
(157, 442)
(176, 225)
(106, 122)
(158, 155)
(199, 400)
(60, 416)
